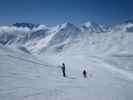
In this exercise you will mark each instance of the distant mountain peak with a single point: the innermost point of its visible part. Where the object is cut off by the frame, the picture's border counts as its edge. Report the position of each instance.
(67, 24)
(129, 21)
(89, 24)
(91, 27)
(23, 24)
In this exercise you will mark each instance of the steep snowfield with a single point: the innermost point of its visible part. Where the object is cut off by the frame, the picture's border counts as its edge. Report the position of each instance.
(24, 77)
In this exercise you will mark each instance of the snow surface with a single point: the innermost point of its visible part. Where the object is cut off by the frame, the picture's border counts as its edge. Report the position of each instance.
(23, 77)
(30, 60)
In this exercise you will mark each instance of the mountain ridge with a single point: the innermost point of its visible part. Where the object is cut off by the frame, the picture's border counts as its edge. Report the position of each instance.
(40, 38)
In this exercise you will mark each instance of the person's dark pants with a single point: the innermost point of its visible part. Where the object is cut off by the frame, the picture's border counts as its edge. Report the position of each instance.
(64, 74)
(85, 75)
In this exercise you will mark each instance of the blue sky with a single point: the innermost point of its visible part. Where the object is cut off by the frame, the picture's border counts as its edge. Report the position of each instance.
(51, 12)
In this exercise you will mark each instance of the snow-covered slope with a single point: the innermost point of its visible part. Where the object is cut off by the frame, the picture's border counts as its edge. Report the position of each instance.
(24, 77)
(66, 34)
(53, 38)
(104, 51)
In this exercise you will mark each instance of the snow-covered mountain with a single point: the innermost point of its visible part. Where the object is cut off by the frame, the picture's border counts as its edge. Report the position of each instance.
(20, 33)
(33, 54)
(92, 27)
(23, 77)
(89, 37)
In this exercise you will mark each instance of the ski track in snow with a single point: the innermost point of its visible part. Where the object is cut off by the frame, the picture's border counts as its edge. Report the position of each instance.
(30, 61)
(126, 74)
(111, 68)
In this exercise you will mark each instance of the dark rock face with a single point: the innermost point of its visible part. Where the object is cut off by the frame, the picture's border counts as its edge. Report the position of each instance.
(29, 25)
